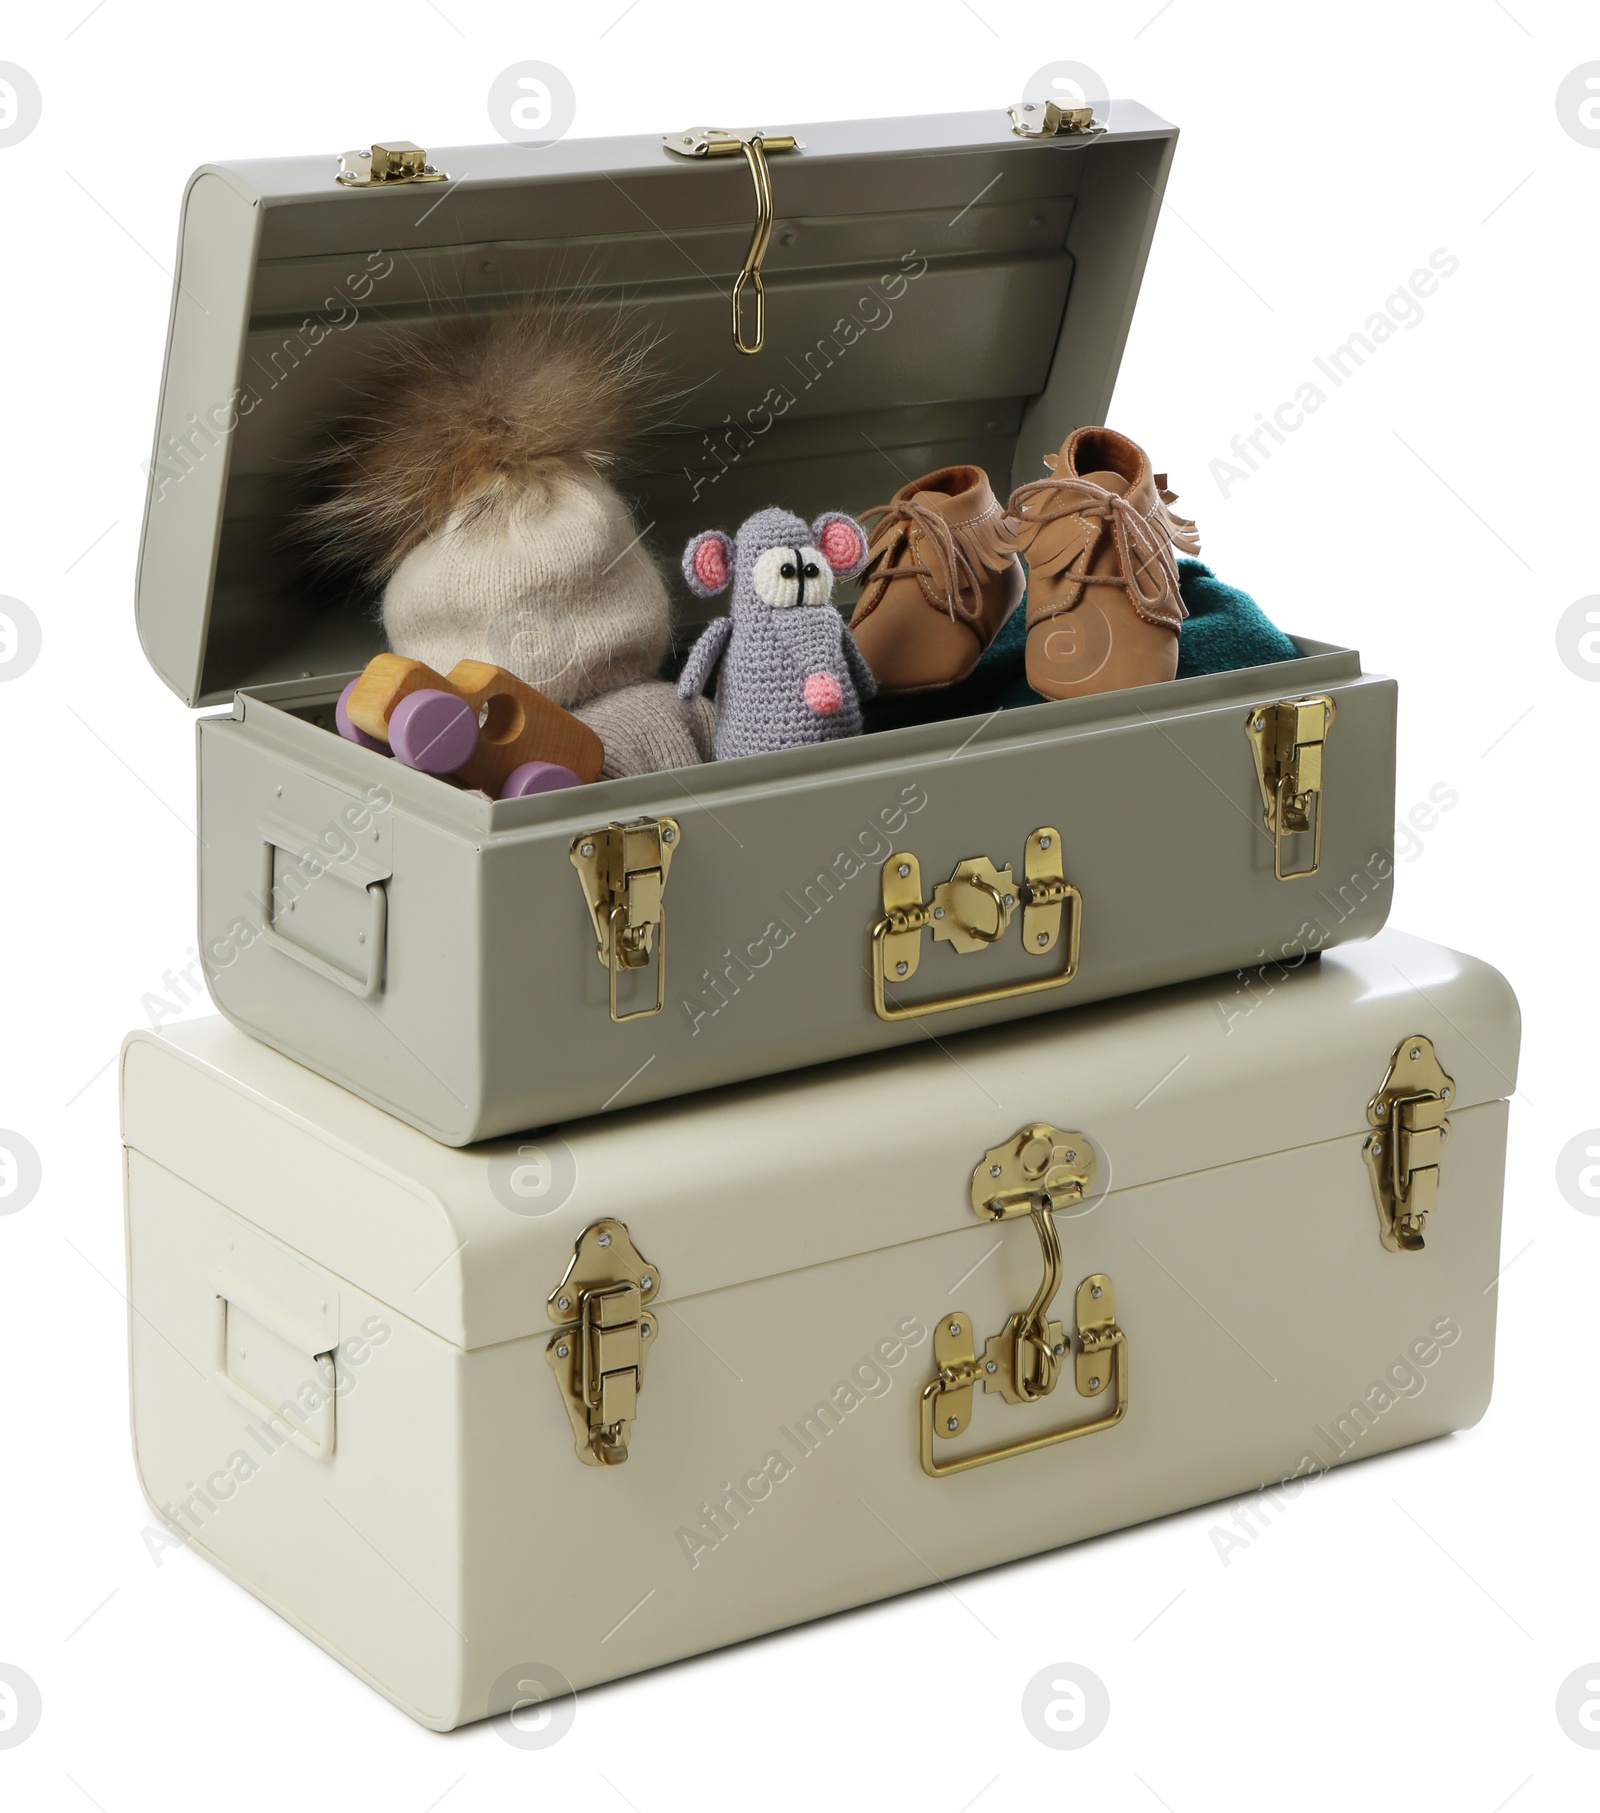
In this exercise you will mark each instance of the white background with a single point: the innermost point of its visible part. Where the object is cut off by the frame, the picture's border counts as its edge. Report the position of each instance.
(1436, 514)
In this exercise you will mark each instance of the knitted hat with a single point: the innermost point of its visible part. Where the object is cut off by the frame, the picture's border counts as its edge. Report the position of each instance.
(472, 484)
(546, 578)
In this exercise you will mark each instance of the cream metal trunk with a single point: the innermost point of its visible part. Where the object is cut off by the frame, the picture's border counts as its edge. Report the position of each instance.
(488, 1424)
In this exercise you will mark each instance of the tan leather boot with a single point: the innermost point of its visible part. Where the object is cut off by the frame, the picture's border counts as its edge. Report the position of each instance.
(941, 578)
(1103, 601)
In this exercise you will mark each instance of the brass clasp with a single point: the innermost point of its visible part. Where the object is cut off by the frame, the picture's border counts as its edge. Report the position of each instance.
(1286, 741)
(722, 141)
(598, 1350)
(623, 869)
(1403, 1154)
(1027, 1175)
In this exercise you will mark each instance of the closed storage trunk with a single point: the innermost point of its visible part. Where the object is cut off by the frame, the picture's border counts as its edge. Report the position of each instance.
(455, 960)
(491, 1423)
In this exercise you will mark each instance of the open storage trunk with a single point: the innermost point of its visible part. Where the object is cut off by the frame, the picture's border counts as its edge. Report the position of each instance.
(937, 290)
(489, 1424)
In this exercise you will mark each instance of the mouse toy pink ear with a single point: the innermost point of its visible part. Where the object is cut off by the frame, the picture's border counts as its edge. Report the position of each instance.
(708, 563)
(843, 544)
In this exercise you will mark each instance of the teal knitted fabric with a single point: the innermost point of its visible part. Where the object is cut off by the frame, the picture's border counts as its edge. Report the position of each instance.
(1225, 629)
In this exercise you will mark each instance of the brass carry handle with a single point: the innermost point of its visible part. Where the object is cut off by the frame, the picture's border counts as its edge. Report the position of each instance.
(1045, 896)
(1028, 1174)
(1115, 1378)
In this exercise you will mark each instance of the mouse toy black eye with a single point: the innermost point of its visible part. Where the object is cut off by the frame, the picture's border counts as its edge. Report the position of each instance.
(786, 571)
(812, 569)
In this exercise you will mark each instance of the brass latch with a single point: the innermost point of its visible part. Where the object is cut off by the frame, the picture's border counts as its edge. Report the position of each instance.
(1403, 1154)
(1039, 1167)
(398, 161)
(1286, 740)
(1049, 119)
(756, 145)
(598, 1354)
(623, 869)
(972, 911)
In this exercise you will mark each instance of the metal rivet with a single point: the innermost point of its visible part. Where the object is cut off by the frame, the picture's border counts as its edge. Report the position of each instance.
(587, 850)
(605, 1240)
(1072, 1157)
(1044, 938)
(668, 834)
(905, 870)
(644, 1328)
(951, 1424)
(955, 1328)
(938, 912)
(1095, 1291)
(1259, 724)
(562, 1351)
(1377, 1147)
(1011, 900)
(1044, 843)
(994, 1170)
(988, 1366)
(1094, 1384)
(900, 969)
(1060, 1347)
(645, 1282)
(1414, 1053)
(1444, 1094)
(563, 1303)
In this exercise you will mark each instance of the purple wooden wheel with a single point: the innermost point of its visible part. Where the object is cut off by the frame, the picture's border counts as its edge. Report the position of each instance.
(353, 732)
(434, 731)
(538, 777)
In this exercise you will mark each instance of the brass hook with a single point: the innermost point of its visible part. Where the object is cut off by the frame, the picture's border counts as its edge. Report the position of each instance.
(1035, 1365)
(757, 146)
(755, 156)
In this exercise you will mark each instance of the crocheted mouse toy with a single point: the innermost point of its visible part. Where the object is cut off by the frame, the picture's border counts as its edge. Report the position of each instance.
(790, 671)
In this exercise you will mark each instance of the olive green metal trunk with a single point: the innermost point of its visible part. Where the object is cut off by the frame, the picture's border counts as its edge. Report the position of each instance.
(936, 290)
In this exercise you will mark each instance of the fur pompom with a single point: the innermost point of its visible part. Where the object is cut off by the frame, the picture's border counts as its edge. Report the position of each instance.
(469, 416)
